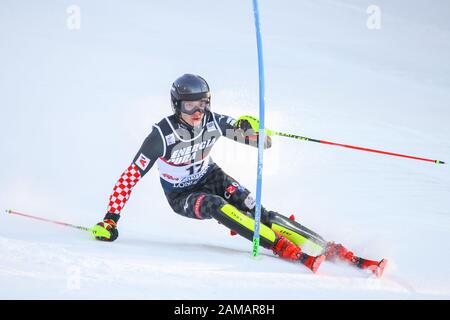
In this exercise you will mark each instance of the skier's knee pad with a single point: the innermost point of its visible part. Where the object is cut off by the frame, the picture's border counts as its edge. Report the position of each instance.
(244, 225)
(242, 199)
(239, 196)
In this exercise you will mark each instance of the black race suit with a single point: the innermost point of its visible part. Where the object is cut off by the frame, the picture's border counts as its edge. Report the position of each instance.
(194, 185)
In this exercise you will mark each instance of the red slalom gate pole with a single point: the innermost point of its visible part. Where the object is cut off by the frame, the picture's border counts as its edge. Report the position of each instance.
(48, 220)
(354, 147)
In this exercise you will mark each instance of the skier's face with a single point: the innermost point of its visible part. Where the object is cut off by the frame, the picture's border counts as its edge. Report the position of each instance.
(193, 111)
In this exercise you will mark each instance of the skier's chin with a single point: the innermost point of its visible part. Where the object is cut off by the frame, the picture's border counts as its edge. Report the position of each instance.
(196, 120)
(197, 123)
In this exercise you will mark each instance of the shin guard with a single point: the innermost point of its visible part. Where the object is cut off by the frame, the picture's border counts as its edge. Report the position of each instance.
(301, 236)
(244, 225)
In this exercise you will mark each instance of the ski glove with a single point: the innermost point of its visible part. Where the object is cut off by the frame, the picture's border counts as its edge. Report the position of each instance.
(105, 230)
(249, 122)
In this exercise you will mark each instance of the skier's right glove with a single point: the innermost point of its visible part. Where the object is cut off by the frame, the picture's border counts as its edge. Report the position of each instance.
(105, 230)
(248, 122)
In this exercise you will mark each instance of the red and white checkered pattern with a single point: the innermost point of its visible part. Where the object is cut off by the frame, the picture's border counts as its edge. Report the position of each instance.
(122, 189)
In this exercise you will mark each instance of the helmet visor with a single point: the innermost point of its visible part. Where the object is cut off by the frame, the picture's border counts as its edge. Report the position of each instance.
(190, 107)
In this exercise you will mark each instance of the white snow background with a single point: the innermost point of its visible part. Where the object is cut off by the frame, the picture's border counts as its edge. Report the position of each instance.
(76, 104)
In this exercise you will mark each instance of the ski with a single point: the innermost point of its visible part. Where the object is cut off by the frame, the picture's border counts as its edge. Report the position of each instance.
(376, 267)
(337, 251)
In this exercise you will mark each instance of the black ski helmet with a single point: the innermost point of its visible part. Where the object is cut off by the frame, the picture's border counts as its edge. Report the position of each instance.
(188, 87)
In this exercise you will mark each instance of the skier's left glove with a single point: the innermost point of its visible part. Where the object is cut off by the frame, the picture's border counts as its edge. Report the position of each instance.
(106, 230)
(249, 122)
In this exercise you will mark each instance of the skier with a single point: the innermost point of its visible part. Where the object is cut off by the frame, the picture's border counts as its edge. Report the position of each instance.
(198, 188)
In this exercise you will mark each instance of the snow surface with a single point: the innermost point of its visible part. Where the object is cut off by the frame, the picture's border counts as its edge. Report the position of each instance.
(77, 104)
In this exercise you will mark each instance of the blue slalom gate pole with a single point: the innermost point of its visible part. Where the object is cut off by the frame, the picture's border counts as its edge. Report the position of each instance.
(261, 134)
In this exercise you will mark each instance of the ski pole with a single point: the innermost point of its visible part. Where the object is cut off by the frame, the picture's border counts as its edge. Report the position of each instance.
(352, 147)
(48, 220)
(256, 232)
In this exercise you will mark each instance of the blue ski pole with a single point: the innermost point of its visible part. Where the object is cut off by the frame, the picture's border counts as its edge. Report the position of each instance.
(261, 131)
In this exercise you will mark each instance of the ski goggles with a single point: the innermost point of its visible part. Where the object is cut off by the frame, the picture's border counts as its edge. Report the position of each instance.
(190, 107)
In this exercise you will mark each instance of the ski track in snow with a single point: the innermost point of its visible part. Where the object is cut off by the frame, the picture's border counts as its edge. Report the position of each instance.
(136, 271)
